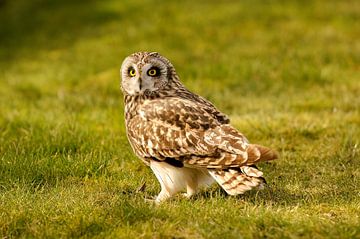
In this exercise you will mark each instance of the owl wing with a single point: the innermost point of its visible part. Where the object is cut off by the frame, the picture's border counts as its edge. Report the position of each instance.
(188, 133)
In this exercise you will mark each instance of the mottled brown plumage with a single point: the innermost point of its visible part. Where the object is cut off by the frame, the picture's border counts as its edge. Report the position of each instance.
(185, 140)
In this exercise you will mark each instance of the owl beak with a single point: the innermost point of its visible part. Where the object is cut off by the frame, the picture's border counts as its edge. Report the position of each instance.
(140, 84)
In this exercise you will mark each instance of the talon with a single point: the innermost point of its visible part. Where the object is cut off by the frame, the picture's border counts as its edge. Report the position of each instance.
(187, 195)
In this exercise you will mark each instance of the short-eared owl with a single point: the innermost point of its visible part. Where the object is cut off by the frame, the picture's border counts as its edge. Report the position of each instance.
(186, 141)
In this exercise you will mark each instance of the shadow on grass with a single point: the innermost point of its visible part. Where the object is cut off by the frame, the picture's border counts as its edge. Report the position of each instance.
(278, 197)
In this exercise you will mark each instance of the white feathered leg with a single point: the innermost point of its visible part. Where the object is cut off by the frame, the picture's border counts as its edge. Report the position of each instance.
(174, 179)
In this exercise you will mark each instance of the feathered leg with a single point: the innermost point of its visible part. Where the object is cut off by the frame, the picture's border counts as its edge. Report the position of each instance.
(174, 179)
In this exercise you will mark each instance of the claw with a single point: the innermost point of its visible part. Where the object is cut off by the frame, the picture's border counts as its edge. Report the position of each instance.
(187, 195)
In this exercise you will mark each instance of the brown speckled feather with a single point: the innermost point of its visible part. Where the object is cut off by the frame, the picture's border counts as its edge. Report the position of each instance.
(177, 128)
(239, 180)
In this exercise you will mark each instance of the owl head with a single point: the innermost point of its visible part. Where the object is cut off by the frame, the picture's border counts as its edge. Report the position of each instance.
(145, 72)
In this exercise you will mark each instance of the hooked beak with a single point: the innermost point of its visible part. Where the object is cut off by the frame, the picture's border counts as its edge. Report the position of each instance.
(140, 84)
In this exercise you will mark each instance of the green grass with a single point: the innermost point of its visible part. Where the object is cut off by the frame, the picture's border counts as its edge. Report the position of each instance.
(286, 72)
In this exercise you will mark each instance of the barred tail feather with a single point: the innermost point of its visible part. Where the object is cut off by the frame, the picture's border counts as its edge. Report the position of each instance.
(257, 153)
(239, 180)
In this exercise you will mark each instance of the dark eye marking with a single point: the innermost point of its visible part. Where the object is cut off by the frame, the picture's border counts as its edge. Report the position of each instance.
(131, 71)
(153, 72)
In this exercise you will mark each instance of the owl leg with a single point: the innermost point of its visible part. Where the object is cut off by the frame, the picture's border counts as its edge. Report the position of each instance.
(197, 179)
(170, 178)
(191, 189)
(166, 191)
(162, 196)
(175, 179)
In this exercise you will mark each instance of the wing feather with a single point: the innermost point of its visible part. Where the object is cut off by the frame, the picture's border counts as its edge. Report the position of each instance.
(188, 132)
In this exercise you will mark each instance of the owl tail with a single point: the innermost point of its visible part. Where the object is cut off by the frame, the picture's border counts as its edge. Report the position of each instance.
(258, 153)
(239, 180)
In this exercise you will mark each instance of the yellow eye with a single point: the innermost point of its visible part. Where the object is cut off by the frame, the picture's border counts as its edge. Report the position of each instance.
(152, 72)
(132, 72)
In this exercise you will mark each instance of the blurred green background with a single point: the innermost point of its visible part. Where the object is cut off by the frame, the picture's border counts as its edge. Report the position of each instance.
(286, 72)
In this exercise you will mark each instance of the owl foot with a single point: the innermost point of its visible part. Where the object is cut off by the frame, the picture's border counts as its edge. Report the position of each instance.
(163, 196)
(187, 195)
(190, 191)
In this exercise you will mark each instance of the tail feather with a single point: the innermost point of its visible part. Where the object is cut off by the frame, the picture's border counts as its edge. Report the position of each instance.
(257, 153)
(239, 180)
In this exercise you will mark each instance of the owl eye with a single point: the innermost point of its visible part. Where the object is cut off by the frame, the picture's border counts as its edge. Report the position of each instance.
(132, 71)
(153, 72)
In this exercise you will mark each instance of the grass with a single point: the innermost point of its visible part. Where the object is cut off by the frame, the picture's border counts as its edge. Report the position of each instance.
(286, 72)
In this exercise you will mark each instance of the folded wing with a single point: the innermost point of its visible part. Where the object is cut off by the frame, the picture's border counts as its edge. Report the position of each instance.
(181, 130)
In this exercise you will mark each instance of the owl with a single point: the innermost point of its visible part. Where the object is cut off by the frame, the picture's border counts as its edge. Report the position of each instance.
(185, 140)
